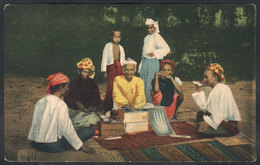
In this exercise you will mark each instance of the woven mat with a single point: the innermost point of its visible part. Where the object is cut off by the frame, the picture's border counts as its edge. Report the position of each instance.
(150, 139)
(198, 151)
(238, 139)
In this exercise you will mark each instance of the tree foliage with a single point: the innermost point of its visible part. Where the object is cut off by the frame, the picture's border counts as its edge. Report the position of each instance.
(47, 38)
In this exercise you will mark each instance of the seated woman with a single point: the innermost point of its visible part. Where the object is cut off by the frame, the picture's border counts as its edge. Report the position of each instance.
(84, 98)
(52, 129)
(166, 90)
(219, 114)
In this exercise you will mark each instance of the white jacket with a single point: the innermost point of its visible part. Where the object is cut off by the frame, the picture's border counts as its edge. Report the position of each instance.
(51, 121)
(108, 57)
(221, 104)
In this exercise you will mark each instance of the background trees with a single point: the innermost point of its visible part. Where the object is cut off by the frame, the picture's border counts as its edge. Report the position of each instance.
(44, 39)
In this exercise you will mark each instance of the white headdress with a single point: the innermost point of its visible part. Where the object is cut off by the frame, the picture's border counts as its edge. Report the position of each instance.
(150, 21)
(129, 61)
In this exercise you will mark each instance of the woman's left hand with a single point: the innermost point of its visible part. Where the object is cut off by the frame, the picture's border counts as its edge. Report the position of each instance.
(92, 108)
(150, 54)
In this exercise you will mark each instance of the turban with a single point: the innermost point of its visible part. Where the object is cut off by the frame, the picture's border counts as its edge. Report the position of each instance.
(150, 21)
(56, 79)
(129, 61)
(168, 62)
(215, 67)
(86, 63)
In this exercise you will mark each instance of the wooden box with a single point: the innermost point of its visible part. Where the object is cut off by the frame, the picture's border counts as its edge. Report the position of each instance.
(112, 129)
(135, 127)
(133, 116)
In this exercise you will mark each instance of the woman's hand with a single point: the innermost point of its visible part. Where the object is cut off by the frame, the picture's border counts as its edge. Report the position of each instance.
(87, 150)
(91, 108)
(105, 75)
(81, 106)
(150, 54)
(199, 88)
(158, 74)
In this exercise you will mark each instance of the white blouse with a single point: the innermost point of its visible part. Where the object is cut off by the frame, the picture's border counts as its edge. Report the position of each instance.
(156, 44)
(221, 104)
(51, 121)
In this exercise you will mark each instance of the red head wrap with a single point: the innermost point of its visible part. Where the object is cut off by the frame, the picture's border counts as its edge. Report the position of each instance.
(56, 79)
(167, 62)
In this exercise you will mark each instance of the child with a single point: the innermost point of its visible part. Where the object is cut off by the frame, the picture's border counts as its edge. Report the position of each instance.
(154, 48)
(166, 89)
(112, 62)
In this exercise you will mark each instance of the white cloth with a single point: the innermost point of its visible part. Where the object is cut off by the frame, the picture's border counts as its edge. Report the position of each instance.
(129, 61)
(221, 104)
(150, 21)
(156, 44)
(108, 57)
(178, 81)
(51, 121)
(200, 100)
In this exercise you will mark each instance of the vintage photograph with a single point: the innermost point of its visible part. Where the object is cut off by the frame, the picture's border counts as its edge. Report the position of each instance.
(130, 82)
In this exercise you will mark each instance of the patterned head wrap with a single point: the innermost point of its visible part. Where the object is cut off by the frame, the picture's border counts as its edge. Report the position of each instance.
(150, 21)
(215, 67)
(86, 63)
(56, 79)
(168, 62)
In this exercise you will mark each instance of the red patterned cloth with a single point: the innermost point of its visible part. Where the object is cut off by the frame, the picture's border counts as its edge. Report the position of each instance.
(150, 139)
(168, 62)
(112, 71)
(86, 63)
(215, 67)
(170, 110)
(56, 79)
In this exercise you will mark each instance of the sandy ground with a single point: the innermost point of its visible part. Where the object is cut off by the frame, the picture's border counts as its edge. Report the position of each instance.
(22, 92)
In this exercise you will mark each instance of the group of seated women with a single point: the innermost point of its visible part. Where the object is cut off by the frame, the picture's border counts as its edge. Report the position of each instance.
(71, 104)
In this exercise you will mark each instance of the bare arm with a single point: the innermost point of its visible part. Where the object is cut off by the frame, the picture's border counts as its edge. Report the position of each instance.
(81, 106)
(177, 87)
(156, 82)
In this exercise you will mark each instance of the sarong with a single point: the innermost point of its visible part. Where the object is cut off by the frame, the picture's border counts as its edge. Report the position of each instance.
(83, 119)
(148, 69)
(170, 110)
(112, 71)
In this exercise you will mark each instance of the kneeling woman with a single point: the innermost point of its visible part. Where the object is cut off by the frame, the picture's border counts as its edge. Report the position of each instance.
(166, 89)
(52, 129)
(84, 98)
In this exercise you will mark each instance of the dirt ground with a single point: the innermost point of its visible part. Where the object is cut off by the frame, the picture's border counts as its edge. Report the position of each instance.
(22, 92)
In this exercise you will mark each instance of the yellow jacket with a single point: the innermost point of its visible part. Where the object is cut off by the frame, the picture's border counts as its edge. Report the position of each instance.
(125, 92)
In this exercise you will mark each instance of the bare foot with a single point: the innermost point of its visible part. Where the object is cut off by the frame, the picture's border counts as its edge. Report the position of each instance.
(87, 150)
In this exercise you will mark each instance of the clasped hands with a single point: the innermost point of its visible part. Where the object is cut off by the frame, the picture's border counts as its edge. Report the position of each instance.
(129, 106)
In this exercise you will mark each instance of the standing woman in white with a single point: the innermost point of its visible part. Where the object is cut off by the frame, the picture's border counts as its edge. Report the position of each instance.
(154, 49)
